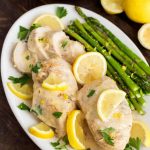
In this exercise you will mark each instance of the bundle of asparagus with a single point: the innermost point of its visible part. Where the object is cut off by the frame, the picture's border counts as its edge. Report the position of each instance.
(130, 72)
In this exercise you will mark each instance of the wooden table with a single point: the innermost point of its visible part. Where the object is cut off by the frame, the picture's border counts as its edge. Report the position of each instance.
(12, 137)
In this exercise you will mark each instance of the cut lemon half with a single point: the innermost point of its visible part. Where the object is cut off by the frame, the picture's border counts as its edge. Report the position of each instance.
(141, 130)
(89, 66)
(41, 130)
(75, 132)
(53, 83)
(24, 92)
(49, 20)
(144, 36)
(112, 6)
(108, 101)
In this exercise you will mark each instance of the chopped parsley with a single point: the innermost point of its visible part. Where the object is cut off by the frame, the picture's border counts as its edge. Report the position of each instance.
(34, 26)
(61, 143)
(36, 67)
(27, 57)
(64, 43)
(91, 93)
(57, 114)
(22, 80)
(23, 32)
(23, 106)
(134, 144)
(37, 110)
(106, 135)
(61, 12)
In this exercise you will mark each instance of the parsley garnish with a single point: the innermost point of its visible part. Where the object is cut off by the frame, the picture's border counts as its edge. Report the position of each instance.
(91, 93)
(22, 80)
(64, 43)
(106, 135)
(36, 67)
(134, 144)
(34, 26)
(23, 106)
(37, 110)
(61, 12)
(23, 32)
(57, 114)
(61, 143)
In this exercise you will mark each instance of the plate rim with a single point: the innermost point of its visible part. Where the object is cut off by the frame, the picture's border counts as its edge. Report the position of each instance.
(6, 38)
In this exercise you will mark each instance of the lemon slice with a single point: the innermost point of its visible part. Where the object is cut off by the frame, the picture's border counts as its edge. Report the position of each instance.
(144, 36)
(53, 83)
(49, 20)
(112, 6)
(108, 101)
(24, 92)
(41, 130)
(89, 66)
(141, 130)
(75, 132)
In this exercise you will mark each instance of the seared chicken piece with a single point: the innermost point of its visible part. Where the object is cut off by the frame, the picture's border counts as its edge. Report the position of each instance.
(22, 58)
(121, 121)
(42, 42)
(48, 102)
(64, 47)
(38, 43)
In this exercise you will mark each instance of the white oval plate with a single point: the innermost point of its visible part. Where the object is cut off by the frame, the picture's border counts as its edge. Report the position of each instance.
(26, 119)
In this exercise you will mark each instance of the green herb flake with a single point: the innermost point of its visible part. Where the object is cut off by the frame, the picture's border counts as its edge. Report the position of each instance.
(133, 144)
(36, 67)
(91, 93)
(27, 57)
(34, 26)
(61, 143)
(65, 139)
(23, 32)
(23, 106)
(106, 135)
(22, 80)
(37, 110)
(54, 144)
(61, 12)
(64, 44)
(57, 114)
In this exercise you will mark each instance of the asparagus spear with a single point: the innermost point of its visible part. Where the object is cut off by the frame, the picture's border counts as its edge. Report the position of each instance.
(124, 59)
(121, 45)
(111, 60)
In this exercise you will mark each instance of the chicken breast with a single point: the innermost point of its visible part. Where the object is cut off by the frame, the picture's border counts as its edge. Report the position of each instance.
(50, 102)
(64, 47)
(22, 58)
(122, 123)
(38, 43)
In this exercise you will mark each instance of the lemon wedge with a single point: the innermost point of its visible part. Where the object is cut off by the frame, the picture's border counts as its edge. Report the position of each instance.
(89, 66)
(41, 130)
(49, 20)
(141, 130)
(75, 132)
(108, 101)
(144, 36)
(24, 92)
(53, 83)
(112, 6)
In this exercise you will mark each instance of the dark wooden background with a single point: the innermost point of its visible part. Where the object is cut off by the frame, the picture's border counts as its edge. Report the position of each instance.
(12, 137)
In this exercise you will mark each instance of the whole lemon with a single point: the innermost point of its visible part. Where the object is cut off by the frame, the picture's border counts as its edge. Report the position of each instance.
(137, 10)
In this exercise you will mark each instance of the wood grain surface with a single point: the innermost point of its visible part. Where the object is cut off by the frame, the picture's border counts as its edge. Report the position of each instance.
(12, 137)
